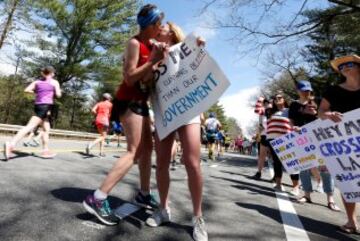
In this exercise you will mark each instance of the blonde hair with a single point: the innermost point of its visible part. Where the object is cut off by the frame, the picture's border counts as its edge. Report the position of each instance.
(179, 35)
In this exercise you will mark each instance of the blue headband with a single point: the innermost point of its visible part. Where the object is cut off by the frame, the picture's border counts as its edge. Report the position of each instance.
(152, 17)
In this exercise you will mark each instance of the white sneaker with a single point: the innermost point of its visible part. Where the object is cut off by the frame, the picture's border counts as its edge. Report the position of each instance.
(159, 217)
(199, 231)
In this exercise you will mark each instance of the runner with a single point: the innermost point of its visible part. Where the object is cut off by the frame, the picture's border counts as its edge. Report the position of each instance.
(102, 111)
(189, 136)
(116, 132)
(212, 127)
(131, 106)
(340, 99)
(301, 112)
(44, 89)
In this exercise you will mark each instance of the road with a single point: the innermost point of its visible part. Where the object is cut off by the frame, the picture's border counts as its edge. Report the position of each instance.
(41, 200)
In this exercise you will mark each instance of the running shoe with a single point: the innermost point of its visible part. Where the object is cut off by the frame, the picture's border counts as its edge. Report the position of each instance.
(147, 201)
(199, 231)
(100, 209)
(37, 143)
(26, 144)
(160, 216)
(102, 155)
(47, 154)
(8, 150)
(295, 192)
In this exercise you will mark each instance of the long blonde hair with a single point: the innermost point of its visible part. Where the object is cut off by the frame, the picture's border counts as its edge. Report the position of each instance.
(179, 35)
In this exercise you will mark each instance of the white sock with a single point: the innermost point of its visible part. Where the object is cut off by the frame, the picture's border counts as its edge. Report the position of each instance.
(100, 195)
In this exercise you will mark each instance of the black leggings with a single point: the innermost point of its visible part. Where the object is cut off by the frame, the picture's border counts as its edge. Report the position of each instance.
(278, 169)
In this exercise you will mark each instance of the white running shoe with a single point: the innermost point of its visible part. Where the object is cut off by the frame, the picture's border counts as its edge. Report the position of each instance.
(159, 217)
(199, 231)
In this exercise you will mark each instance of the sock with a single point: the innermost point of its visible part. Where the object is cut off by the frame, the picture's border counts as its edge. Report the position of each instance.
(100, 195)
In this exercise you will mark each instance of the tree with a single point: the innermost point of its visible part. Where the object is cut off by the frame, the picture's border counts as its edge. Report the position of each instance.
(268, 27)
(15, 17)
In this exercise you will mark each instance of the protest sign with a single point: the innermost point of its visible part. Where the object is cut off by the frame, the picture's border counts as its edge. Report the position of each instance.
(188, 83)
(339, 146)
(296, 150)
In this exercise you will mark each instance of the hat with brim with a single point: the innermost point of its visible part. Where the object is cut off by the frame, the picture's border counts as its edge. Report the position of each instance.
(345, 59)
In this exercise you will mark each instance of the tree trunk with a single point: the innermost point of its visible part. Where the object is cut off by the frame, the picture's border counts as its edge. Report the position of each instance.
(8, 23)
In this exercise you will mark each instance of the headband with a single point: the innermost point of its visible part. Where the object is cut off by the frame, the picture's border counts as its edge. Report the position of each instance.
(152, 17)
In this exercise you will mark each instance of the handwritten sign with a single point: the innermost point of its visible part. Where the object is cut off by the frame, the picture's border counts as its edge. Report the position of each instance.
(339, 145)
(188, 83)
(296, 150)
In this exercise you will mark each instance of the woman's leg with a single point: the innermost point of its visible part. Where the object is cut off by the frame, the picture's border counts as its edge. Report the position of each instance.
(45, 135)
(163, 156)
(190, 141)
(33, 123)
(133, 127)
(144, 154)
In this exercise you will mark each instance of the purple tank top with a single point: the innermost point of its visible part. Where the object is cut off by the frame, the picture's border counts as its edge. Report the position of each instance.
(44, 91)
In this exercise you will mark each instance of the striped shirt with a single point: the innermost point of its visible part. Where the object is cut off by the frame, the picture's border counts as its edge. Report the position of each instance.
(278, 124)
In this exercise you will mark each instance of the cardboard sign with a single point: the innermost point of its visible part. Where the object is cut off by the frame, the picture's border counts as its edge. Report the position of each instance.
(339, 146)
(296, 150)
(188, 83)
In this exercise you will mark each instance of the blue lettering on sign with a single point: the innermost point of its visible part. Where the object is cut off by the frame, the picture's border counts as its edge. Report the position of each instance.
(185, 103)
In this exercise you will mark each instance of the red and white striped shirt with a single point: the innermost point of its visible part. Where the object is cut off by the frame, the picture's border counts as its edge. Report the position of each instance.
(278, 124)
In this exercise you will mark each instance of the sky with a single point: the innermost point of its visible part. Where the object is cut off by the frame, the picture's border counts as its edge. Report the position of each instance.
(243, 72)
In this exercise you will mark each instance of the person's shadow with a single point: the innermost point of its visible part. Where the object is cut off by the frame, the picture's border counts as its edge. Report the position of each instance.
(17, 154)
(137, 219)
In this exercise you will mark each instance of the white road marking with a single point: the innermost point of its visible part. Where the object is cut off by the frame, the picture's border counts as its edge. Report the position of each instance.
(294, 230)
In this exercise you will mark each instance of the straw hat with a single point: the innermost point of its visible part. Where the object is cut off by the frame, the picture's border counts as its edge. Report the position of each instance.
(349, 58)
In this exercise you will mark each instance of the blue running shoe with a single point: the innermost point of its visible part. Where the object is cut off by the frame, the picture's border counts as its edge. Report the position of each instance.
(100, 209)
(148, 201)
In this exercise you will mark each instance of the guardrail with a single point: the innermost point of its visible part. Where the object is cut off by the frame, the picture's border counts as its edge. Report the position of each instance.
(5, 128)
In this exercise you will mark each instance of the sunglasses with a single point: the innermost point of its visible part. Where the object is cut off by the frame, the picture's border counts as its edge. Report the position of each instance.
(347, 64)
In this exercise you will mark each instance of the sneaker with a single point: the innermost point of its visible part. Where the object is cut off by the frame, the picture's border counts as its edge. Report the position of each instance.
(279, 188)
(102, 155)
(37, 143)
(199, 231)
(47, 154)
(147, 201)
(8, 151)
(100, 209)
(87, 149)
(26, 144)
(160, 216)
(257, 176)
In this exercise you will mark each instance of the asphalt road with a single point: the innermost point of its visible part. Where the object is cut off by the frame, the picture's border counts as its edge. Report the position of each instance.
(41, 200)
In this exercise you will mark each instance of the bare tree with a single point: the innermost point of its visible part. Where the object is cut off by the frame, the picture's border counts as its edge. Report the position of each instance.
(259, 23)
